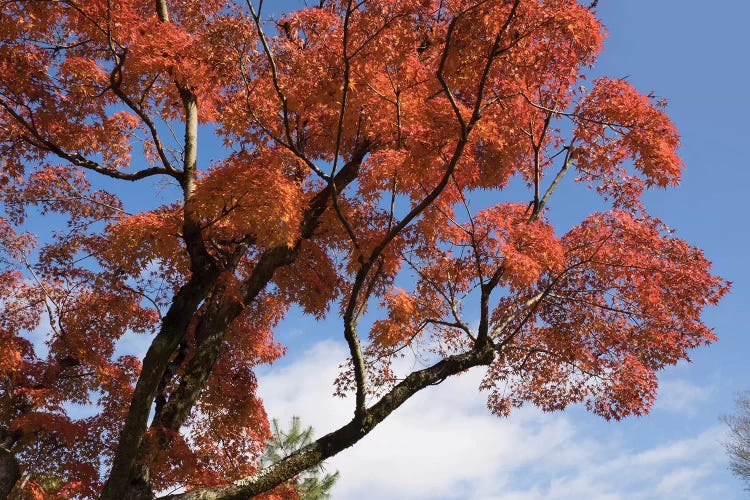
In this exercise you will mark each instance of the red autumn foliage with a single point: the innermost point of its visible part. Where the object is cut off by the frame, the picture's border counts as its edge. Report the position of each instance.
(365, 153)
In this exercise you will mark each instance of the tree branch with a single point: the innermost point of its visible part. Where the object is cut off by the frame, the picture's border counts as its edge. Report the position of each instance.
(551, 189)
(344, 437)
(44, 144)
(220, 312)
(157, 357)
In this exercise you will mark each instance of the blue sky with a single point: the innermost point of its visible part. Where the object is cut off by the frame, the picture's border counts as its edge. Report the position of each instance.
(444, 444)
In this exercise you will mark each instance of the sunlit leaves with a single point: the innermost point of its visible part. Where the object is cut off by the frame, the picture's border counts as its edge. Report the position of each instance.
(367, 149)
(614, 124)
(251, 197)
(523, 249)
(626, 303)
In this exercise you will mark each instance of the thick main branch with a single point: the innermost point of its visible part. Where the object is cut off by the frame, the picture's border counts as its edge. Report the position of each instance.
(344, 437)
(219, 315)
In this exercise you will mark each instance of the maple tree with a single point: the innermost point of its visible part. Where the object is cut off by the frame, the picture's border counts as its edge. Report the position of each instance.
(364, 158)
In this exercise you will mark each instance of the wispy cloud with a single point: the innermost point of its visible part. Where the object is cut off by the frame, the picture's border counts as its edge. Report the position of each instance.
(680, 396)
(444, 444)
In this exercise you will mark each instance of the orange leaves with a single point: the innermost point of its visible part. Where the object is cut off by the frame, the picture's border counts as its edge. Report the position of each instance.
(239, 420)
(250, 196)
(68, 192)
(402, 307)
(402, 323)
(614, 124)
(626, 303)
(381, 170)
(524, 249)
(675, 277)
(134, 242)
(90, 336)
(83, 75)
(116, 131)
(169, 454)
(499, 245)
(12, 358)
(631, 391)
(311, 281)
(166, 48)
(250, 338)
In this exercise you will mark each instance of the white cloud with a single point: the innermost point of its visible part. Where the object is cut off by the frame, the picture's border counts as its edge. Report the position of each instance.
(444, 444)
(675, 469)
(680, 396)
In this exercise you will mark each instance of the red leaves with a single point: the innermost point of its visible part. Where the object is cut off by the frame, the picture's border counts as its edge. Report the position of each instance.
(614, 124)
(403, 323)
(367, 158)
(43, 422)
(251, 197)
(524, 249)
(626, 304)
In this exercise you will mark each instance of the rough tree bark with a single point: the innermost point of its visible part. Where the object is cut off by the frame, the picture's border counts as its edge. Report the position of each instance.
(10, 472)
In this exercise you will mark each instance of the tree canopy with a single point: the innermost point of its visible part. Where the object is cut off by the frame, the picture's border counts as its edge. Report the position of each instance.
(366, 164)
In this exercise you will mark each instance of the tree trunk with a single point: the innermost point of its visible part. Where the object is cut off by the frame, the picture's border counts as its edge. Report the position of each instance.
(10, 472)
